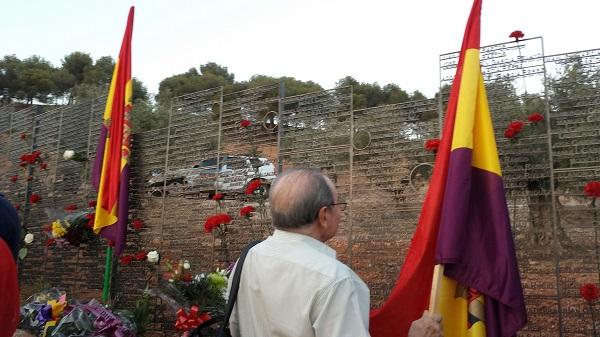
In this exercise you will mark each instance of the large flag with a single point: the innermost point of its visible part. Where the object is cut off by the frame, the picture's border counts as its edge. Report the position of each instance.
(464, 224)
(110, 174)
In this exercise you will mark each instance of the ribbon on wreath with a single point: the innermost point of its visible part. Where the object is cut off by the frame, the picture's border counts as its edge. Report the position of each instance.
(187, 321)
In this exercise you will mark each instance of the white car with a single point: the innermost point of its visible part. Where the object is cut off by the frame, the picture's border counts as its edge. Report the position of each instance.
(233, 175)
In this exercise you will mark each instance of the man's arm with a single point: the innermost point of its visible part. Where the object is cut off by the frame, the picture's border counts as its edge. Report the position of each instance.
(341, 310)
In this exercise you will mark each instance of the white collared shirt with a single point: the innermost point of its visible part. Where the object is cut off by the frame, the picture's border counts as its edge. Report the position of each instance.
(293, 286)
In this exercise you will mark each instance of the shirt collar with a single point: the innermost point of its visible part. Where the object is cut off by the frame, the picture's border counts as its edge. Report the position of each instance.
(285, 236)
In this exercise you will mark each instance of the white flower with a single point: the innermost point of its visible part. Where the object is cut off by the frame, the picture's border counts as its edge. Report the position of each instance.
(69, 154)
(153, 256)
(28, 238)
(186, 265)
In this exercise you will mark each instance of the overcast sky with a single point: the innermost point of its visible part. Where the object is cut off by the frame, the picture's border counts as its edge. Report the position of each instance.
(321, 40)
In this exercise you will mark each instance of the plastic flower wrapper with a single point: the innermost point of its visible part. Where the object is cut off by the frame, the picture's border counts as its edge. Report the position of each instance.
(34, 313)
(94, 319)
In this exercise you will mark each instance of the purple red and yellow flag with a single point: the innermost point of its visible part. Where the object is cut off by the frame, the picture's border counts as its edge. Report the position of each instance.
(480, 292)
(110, 174)
(464, 224)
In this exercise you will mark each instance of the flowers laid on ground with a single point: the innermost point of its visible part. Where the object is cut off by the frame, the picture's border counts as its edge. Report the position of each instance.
(49, 314)
(199, 296)
(592, 189)
(73, 229)
(245, 123)
(517, 34)
(432, 145)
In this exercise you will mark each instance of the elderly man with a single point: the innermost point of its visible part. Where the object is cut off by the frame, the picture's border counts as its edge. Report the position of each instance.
(292, 284)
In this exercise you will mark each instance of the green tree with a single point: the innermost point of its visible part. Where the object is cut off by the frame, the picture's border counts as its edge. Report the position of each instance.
(35, 80)
(76, 64)
(101, 72)
(63, 83)
(211, 75)
(10, 67)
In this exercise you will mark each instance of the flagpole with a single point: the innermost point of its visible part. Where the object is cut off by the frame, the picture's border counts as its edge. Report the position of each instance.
(107, 274)
(438, 271)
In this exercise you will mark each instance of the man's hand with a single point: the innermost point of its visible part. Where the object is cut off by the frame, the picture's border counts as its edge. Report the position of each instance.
(429, 325)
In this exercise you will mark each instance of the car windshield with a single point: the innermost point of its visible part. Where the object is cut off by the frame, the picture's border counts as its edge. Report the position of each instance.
(208, 163)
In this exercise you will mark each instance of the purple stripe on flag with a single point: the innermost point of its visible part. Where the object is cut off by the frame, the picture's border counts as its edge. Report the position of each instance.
(97, 169)
(475, 241)
(116, 233)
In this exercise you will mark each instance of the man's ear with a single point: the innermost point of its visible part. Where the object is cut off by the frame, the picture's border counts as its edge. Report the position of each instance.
(322, 217)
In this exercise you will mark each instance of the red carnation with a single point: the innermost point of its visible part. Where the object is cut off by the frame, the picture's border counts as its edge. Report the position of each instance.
(140, 256)
(245, 123)
(535, 117)
(50, 242)
(126, 259)
(592, 189)
(516, 126)
(70, 207)
(517, 34)
(137, 224)
(17, 206)
(246, 210)
(215, 221)
(43, 166)
(30, 178)
(589, 292)
(14, 178)
(91, 217)
(187, 277)
(218, 197)
(513, 129)
(92, 203)
(34, 198)
(252, 186)
(432, 145)
(23, 136)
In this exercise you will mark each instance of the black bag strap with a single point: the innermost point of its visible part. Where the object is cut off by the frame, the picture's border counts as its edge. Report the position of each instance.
(235, 285)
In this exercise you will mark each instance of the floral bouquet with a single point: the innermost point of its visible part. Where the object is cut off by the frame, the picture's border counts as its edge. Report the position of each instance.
(48, 314)
(72, 229)
(195, 298)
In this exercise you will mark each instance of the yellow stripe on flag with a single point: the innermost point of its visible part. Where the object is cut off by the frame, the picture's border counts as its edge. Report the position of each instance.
(485, 154)
(467, 101)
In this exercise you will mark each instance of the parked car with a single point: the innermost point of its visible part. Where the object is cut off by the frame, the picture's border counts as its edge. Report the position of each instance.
(232, 176)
